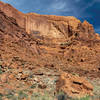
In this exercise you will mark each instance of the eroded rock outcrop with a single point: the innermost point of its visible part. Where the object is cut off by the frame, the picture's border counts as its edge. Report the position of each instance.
(53, 38)
(30, 42)
(50, 25)
(74, 86)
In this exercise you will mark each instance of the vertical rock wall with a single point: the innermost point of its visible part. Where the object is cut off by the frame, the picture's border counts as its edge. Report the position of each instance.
(51, 26)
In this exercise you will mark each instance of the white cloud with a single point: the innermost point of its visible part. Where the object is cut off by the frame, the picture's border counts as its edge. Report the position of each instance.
(59, 6)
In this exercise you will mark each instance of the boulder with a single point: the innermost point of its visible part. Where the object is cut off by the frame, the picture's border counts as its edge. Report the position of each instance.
(74, 86)
(4, 77)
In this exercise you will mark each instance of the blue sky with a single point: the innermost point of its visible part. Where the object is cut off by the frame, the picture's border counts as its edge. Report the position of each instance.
(82, 9)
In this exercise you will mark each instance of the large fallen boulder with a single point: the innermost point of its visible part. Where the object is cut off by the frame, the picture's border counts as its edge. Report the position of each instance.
(74, 86)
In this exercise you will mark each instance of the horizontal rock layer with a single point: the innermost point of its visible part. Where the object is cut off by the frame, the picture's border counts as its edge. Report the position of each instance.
(32, 42)
(49, 25)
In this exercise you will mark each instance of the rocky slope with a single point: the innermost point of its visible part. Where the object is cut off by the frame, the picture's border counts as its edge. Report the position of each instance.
(35, 49)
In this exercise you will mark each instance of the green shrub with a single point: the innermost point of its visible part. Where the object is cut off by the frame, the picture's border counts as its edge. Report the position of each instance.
(33, 86)
(9, 95)
(38, 96)
(1, 95)
(22, 95)
(85, 98)
(1, 69)
(61, 96)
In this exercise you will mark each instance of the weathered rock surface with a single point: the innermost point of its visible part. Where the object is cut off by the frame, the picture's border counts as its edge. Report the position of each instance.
(74, 86)
(30, 42)
(51, 26)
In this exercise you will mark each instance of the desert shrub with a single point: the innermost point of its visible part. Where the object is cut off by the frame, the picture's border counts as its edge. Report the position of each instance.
(1, 95)
(68, 43)
(61, 96)
(1, 69)
(38, 96)
(9, 95)
(33, 86)
(22, 95)
(85, 98)
(75, 74)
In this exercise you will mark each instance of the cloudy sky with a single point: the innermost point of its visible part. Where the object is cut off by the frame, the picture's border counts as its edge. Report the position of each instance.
(82, 9)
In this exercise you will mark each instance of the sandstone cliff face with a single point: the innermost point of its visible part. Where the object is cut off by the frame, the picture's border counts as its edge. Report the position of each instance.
(54, 44)
(51, 26)
(53, 38)
(12, 12)
(14, 40)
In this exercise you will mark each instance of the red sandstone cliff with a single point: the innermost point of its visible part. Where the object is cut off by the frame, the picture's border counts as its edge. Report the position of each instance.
(49, 25)
(54, 44)
(66, 38)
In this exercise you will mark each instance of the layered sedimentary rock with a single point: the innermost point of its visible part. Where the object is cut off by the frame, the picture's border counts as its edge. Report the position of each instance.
(14, 13)
(74, 86)
(59, 39)
(50, 25)
(53, 44)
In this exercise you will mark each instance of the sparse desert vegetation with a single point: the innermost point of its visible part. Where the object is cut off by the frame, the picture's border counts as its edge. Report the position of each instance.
(46, 57)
